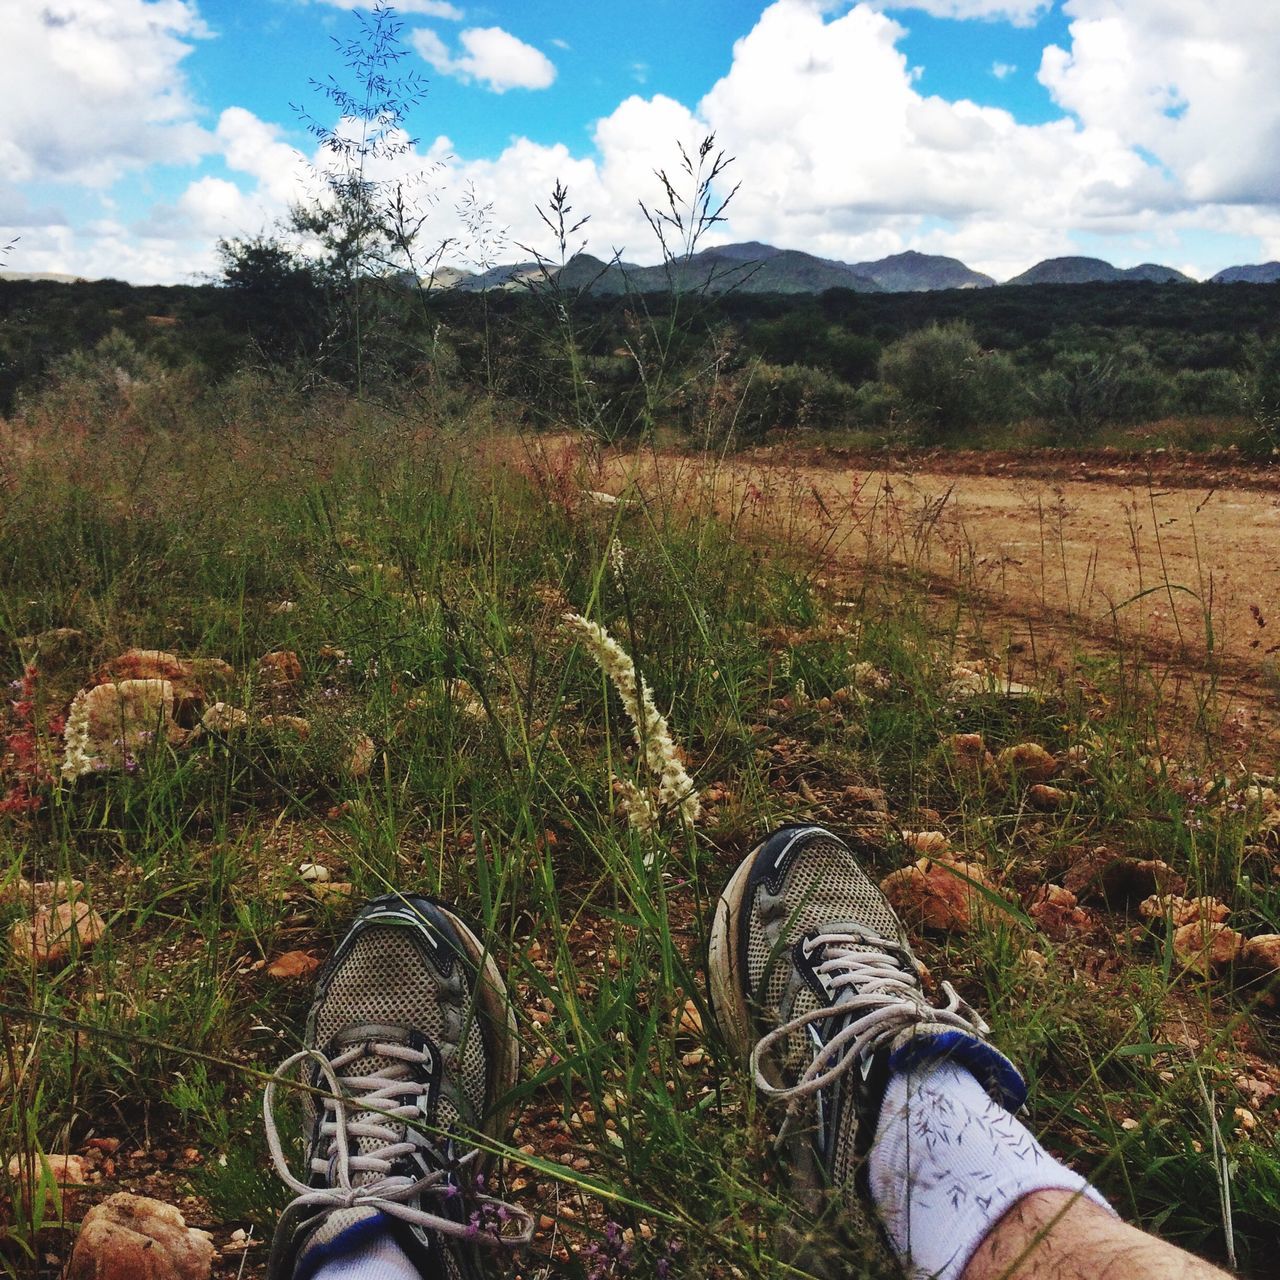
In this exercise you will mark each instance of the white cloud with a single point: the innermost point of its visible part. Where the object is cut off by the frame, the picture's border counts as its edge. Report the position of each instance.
(490, 55)
(1022, 13)
(95, 88)
(1003, 70)
(404, 8)
(1191, 82)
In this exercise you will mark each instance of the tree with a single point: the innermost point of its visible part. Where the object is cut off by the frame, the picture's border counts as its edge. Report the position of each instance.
(276, 295)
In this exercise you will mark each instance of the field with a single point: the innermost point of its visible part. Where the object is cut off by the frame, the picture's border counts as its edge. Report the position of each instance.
(389, 593)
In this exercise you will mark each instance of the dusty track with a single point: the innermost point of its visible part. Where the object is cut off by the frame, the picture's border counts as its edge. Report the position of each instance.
(1177, 561)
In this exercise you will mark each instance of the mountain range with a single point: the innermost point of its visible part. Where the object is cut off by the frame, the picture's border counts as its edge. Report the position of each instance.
(753, 267)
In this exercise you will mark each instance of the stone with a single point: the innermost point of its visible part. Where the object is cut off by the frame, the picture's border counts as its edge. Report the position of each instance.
(53, 651)
(313, 872)
(1119, 880)
(67, 1171)
(222, 718)
(110, 725)
(192, 680)
(926, 842)
(295, 726)
(1169, 906)
(1028, 761)
(48, 937)
(1057, 912)
(281, 670)
(930, 895)
(129, 1237)
(292, 964)
(1207, 948)
(1047, 799)
(969, 754)
(323, 890)
(870, 798)
(359, 761)
(1258, 967)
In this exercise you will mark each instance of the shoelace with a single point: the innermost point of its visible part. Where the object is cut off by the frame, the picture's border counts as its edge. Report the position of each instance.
(385, 1095)
(874, 986)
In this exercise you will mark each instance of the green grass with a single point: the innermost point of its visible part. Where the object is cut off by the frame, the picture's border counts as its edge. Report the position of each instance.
(413, 562)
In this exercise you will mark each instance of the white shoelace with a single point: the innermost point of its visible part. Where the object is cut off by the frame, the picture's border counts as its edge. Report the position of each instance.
(872, 984)
(385, 1095)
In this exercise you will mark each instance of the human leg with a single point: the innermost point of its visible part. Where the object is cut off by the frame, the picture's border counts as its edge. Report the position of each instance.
(892, 1100)
(409, 1045)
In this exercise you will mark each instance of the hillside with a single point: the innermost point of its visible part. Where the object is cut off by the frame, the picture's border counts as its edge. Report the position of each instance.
(1258, 273)
(913, 272)
(1097, 271)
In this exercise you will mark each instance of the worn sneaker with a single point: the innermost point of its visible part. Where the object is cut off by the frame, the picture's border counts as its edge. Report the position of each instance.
(812, 980)
(410, 1045)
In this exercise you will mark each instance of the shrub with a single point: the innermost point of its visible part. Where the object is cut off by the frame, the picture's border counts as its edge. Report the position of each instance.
(1085, 390)
(933, 371)
(770, 397)
(946, 382)
(1264, 438)
(1210, 391)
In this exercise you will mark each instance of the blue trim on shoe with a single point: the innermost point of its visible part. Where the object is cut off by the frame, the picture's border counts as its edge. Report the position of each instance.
(992, 1070)
(356, 1236)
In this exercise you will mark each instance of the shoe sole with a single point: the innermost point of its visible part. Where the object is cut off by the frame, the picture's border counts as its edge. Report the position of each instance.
(728, 1004)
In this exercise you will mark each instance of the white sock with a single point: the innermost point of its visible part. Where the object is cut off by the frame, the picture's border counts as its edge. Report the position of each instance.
(947, 1163)
(380, 1258)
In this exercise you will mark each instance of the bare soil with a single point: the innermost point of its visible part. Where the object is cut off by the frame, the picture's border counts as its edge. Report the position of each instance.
(1175, 558)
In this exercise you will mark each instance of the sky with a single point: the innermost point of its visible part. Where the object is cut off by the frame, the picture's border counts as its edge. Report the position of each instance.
(134, 134)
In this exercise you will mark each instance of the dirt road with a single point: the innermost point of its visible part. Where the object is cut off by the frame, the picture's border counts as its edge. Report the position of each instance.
(1190, 572)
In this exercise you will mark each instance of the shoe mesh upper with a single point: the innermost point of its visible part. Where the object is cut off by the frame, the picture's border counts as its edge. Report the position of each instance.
(823, 885)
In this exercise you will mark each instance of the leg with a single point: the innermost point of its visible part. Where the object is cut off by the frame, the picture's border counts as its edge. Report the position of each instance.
(1054, 1235)
(410, 1045)
(900, 1104)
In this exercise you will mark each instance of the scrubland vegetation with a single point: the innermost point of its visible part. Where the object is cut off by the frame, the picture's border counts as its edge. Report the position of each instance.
(341, 521)
(420, 570)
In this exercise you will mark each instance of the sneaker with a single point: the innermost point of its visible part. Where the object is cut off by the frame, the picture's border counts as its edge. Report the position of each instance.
(814, 982)
(410, 1045)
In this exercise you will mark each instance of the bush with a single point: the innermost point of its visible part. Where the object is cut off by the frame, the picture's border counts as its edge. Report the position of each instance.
(1264, 438)
(769, 397)
(1211, 391)
(933, 372)
(1086, 390)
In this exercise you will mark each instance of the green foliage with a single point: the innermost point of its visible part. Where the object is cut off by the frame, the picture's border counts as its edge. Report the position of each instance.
(946, 382)
(1085, 390)
(768, 397)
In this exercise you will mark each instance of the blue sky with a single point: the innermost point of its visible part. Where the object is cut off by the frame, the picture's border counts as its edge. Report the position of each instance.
(997, 131)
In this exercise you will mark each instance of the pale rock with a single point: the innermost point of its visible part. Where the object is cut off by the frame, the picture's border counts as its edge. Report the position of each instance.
(1027, 760)
(280, 671)
(926, 842)
(224, 719)
(1057, 912)
(1170, 906)
(292, 964)
(313, 872)
(28, 1170)
(281, 724)
(1047, 799)
(129, 1237)
(969, 753)
(111, 724)
(931, 895)
(48, 937)
(359, 762)
(1207, 948)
